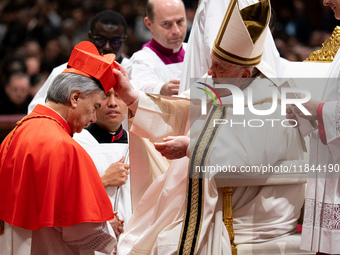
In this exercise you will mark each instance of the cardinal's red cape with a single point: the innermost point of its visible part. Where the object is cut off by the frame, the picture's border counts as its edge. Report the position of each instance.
(46, 178)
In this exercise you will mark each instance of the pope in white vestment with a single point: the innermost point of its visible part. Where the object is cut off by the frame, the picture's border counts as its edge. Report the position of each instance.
(261, 213)
(203, 32)
(180, 213)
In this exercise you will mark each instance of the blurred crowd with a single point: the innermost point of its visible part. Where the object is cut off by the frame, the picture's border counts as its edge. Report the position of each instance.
(300, 27)
(38, 35)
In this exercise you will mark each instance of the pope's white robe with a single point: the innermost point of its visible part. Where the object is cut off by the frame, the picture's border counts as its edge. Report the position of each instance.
(321, 226)
(260, 213)
(103, 155)
(148, 73)
(206, 24)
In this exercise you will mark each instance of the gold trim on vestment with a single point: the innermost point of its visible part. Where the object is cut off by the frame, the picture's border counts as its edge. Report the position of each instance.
(190, 234)
(228, 216)
(329, 48)
(189, 243)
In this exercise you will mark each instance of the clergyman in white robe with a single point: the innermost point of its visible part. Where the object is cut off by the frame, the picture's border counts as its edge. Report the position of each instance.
(148, 72)
(321, 226)
(103, 155)
(261, 213)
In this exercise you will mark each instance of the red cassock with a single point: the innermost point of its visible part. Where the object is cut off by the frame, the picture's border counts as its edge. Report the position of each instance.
(46, 178)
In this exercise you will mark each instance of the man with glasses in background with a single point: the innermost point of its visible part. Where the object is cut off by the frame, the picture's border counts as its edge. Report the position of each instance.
(108, 31)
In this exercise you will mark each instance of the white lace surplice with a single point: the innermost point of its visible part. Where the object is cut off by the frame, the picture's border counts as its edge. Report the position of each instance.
(321, 227)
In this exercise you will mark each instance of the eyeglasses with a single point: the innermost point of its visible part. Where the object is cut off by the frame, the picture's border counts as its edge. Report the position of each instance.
(100, 41)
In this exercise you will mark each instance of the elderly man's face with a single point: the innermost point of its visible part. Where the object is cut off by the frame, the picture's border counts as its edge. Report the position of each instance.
(169, 25)
(220, 70)
(108, 38)
(112, 112)
(84, 110)
(226, 73)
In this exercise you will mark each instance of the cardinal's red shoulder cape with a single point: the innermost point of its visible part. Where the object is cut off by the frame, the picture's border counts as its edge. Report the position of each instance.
(46, 178)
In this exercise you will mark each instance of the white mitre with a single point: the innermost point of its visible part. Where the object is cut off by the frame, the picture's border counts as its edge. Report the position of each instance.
(242, 34)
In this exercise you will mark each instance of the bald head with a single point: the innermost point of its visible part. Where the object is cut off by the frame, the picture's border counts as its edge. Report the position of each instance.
(157, 6)
(167, 22)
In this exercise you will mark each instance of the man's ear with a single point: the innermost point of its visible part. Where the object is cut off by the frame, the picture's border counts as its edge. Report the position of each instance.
(90, 35)
(148, 23)
(247, 73)
(75, 95)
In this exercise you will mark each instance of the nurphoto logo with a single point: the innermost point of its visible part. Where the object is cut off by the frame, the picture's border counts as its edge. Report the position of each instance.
(238, 103)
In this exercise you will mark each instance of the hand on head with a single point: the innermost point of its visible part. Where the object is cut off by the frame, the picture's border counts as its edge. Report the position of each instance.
(123, 87)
